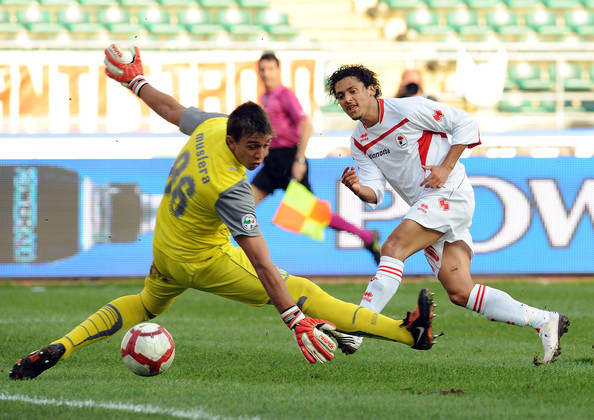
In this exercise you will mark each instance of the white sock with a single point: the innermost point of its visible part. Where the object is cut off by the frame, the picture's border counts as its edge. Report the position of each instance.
(383, 285)
(497, 305)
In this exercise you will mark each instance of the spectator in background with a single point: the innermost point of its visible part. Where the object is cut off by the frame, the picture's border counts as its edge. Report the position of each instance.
(411, 84)
(286, 159)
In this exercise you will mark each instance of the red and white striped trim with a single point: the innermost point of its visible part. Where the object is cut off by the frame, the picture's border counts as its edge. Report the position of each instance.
(480, 296)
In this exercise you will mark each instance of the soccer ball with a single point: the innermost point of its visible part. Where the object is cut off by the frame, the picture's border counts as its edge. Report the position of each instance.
(148, 349)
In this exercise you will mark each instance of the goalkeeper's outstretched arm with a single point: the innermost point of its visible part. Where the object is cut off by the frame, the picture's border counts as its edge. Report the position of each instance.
(130, 75)
(310, 334)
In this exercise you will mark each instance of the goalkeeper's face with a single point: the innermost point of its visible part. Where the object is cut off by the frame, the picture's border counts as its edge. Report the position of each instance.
(251, 149)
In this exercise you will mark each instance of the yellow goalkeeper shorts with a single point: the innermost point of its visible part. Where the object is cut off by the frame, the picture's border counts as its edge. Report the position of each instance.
(228, 274)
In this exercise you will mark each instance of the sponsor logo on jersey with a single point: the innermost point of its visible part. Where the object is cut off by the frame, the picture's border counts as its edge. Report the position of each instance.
(437, 116)
(249, 222)
(378, 154)
(401, 140)
(443, 203)
(423, 207)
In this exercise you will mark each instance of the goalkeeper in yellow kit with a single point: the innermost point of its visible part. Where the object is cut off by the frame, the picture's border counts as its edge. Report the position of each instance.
(207, 198)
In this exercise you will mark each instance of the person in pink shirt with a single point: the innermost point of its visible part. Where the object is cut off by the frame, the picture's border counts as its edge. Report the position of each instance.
(286, 159)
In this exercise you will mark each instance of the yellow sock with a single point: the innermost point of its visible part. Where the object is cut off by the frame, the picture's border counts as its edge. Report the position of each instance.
(347, 317)
(119, 314)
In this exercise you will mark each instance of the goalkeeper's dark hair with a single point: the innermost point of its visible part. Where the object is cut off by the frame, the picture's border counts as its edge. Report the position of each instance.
(359, 72)
(247, 119)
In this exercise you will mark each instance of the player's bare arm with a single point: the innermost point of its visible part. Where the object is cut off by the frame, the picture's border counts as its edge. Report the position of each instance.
(299, 166)
(163, 104)
(440, 173)
(130, 74)
(257, 251)
(350, 179)
(309, 333)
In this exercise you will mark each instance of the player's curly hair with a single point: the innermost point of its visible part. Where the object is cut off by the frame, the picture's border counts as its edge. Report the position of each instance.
(247, 119)
(359, 72)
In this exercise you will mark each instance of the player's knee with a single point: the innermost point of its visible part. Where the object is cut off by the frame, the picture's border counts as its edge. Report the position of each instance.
(152, 305)
(458, 298)
(393, 248)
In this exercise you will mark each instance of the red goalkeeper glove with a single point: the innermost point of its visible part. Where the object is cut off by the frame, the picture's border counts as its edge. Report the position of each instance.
(310, 335)
(120, 68)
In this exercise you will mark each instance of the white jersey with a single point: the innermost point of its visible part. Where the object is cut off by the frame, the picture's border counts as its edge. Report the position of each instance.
(411, 132)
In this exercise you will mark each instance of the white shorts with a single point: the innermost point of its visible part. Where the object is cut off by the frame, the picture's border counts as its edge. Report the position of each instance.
(446, 210)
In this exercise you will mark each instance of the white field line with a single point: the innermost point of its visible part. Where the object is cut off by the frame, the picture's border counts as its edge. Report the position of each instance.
(195, 414)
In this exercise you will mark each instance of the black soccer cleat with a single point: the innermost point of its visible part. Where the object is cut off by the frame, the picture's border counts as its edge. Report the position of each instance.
(374, 247)
(34, 364)
(418, 322)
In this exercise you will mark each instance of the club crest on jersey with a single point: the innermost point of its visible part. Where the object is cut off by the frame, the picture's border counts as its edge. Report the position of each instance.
(249, 222)
(401, 140)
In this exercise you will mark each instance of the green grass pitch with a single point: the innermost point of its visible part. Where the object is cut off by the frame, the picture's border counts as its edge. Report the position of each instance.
(237, 362)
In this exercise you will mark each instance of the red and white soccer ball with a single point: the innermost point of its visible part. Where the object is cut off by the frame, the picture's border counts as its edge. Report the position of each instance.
(148, 349)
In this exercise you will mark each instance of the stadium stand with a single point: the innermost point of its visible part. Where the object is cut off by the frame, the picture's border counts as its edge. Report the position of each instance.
(523, 27)
(529, 77)
(8, 29)
(158, 22)
(118, 22)
(38, 22)
(79, 23)
(199, 23)
(238, 23)
(466, 23)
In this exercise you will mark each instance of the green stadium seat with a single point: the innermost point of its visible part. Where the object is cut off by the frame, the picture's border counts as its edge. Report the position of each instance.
(38, 22)
(515, 106)
(118, 21)
(276, 24)
(573, 79)
(443, 4)
(402, 4)
(525, 106)
(482, 4)
(522, 4)
(21, 3)
(581, 22)
(96, 3)
(253, 4)
(588, 106)
(506, 23)
(199, 22)
(237, 22)
(158, 22)
(133, 3)
(529, 77)
(219, 4)
(426, 22)
(7, 28)
(176, 3)
(465, 22)
(78, 22)
(50, 3)
(561, 4)
(544, 22)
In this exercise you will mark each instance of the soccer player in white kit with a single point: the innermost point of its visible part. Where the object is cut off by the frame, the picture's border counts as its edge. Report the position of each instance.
(414, 144)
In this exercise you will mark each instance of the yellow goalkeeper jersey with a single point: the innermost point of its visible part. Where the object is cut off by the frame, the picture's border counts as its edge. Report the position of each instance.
(207, 197)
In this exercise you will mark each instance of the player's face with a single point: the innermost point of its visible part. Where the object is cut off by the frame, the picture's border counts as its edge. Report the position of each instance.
(269, 73)
(251, 150)
(356, 100)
